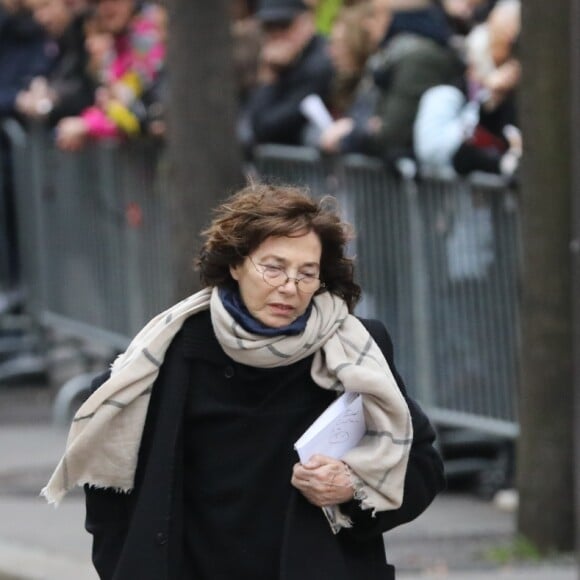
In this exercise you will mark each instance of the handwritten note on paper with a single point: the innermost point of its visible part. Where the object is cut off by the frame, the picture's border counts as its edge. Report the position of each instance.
(337, 430)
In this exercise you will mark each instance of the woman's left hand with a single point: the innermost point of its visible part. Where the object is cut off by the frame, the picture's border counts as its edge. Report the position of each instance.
(323, 481)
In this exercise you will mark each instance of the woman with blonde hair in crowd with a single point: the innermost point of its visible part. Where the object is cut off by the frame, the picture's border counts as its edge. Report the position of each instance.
(349, 47)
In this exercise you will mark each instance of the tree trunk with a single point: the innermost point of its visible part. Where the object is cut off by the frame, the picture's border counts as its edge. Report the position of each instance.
(204, 161)
(575, 112)
(545, 469)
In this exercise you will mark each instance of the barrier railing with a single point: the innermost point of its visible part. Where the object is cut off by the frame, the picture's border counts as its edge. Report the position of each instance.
(5, 257)
(437, 260)
(94, 236)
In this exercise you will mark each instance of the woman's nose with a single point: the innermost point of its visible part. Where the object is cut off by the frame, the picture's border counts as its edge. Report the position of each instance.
(289, 287)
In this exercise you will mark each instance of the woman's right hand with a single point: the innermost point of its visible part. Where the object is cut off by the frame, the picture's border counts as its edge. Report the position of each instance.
(323, 481)
(333, 135)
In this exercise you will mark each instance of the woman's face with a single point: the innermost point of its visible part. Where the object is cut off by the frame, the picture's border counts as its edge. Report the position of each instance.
(53, 15)
(98, 45)
(339, 50)
(276, 307)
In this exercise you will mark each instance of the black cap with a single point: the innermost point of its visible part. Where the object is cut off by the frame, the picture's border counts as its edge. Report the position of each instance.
(279, 10)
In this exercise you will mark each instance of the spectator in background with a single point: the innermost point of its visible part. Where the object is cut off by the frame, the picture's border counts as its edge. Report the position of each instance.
(132, 67)
(67, 88)
(247, 41)
(410, 55)
(464, 15)
(349, 47)
(23, 56)
(294, 63)
(472, 126)
(150, 108)
(79, 6)
(98, 44)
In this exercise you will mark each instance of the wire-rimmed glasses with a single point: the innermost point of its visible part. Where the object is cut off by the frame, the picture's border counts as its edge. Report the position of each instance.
(276, 276)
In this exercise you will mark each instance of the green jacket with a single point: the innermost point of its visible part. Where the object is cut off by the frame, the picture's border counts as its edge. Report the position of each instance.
(395, 79)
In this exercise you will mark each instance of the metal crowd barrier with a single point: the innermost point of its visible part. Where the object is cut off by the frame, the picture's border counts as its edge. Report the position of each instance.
(93, 234)
(438, 262)
(5, 258)
(437, 259)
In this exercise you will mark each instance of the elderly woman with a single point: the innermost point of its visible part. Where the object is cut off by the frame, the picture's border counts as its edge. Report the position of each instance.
(185, 448)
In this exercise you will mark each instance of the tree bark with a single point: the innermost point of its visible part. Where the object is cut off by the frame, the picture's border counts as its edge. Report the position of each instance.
(545, 468)
(575, 113)
(204, 160)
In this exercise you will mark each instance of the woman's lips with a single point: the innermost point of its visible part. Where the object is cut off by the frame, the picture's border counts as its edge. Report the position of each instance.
(283, 309)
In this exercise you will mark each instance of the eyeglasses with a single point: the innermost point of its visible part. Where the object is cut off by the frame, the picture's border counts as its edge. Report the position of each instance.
(275, 276)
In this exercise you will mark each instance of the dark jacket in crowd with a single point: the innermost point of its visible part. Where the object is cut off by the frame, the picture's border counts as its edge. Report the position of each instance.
(141, 534)
(428, 22)
(274, 109)
(23, 55)
(68, 76)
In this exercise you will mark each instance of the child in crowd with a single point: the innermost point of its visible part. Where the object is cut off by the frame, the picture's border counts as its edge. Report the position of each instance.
(130, 69)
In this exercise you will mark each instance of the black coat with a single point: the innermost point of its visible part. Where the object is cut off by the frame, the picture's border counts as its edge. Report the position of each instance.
(139, 535)
(23, 56)
(274, 109)
(69, 78)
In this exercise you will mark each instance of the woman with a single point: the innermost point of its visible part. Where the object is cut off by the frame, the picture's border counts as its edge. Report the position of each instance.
(349, 46)
(202, 480)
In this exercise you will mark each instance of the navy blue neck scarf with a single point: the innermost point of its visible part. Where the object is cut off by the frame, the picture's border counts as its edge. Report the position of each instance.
(232, 302)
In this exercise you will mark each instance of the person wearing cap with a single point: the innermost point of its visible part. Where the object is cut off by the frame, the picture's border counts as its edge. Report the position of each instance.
(294, 63)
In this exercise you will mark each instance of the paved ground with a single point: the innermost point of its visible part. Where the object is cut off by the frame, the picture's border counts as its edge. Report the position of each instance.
(453, 539)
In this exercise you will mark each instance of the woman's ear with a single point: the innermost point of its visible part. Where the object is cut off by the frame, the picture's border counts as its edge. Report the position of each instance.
(234, 272)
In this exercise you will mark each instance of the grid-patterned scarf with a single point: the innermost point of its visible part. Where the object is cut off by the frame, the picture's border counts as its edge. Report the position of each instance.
(103, 442)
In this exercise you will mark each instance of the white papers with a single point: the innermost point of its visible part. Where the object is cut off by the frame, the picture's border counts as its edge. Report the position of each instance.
(340, 427)
(313, 108)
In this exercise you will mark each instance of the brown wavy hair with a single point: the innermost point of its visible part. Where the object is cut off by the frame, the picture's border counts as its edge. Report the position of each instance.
(259, 211)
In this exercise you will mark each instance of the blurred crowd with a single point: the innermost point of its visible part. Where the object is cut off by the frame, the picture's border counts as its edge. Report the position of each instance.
(431, 79)
(90, 69)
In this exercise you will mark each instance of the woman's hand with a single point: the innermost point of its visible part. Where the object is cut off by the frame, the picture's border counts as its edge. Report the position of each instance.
(323, 481)
(333, 135)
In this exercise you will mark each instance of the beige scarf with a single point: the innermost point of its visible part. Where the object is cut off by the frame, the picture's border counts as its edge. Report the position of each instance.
(103, 442)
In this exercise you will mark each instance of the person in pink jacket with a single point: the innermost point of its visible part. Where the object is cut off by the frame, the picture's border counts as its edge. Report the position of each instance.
(129, 69)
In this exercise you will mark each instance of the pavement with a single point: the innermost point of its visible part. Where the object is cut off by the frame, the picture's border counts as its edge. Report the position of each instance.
(456, 538)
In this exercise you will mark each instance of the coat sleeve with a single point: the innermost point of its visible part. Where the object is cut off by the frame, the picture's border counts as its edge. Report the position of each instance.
(107, 517)
(425, 474)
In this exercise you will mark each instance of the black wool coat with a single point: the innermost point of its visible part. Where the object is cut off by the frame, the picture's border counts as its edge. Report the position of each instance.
(139, 534)
(274, 109)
